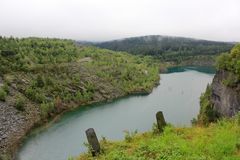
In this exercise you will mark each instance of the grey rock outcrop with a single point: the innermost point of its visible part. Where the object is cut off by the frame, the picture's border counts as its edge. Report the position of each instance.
(225, 99)
(12, 124)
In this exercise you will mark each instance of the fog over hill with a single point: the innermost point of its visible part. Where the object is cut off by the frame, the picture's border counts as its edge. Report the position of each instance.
(166, 47)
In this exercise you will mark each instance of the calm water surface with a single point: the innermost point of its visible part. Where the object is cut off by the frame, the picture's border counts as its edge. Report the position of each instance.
(177, 96)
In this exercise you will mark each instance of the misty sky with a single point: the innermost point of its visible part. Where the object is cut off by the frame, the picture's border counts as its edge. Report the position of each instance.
(100, 20)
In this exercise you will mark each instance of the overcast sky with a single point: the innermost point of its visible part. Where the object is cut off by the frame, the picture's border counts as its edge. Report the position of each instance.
(100, 20)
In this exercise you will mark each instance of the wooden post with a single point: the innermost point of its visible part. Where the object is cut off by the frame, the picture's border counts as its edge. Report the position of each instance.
(93, 141)
(161, 123)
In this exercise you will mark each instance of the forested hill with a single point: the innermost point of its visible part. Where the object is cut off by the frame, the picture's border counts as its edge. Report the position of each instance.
(166, 47)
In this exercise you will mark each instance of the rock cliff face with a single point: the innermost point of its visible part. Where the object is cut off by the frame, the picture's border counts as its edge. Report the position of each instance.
(225, 99)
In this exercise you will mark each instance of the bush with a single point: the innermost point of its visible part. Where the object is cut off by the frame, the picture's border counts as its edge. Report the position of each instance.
(70, 158)
(231, 80)
(35, 95)
(30, 93)
(238, 118)
(46, 108)
(3, 94)
(5, 157)
(39, 81)
(20, 103)
(39, 97)
(207, 112)
(6, 88)
(155, 129)
(194, 122)
(129, 135)
(231, 61)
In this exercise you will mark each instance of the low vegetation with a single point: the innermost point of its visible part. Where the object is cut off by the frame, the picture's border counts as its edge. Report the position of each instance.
(230, 62)
(207, 113)
(220, 140)
(3, 94)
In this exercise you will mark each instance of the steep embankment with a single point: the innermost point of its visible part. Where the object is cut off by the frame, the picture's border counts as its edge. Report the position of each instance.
(226, 99)
(41, 78)
(222, 97)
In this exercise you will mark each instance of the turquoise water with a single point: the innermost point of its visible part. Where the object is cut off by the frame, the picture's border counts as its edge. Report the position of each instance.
(177, 96)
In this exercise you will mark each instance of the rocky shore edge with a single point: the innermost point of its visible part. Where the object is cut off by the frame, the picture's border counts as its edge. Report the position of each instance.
(15, 125)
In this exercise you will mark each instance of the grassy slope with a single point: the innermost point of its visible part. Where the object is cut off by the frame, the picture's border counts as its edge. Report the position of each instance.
(218, 141)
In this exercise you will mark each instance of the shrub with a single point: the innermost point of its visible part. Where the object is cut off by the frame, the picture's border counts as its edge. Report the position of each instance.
(6, 88)
(20, 103)
(231, 80)
(49, 81)
(155, 129)
(78, 96)
(39, 97)
(4, 157)
(207, 112)
(238, 118)
(3, 94)
(129, 135)
(35, 95)
(230, 62)
(46, 108)
(70, 158)
(58, 102)
(194, 122)
(39, 81)
(30, 93)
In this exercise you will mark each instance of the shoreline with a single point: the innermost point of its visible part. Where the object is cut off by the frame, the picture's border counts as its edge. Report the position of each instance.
(42, 126)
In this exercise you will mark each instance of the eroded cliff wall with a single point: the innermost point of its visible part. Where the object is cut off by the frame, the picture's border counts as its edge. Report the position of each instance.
(225, 99)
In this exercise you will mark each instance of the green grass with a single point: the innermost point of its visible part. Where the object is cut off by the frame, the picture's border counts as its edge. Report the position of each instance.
(218, 141)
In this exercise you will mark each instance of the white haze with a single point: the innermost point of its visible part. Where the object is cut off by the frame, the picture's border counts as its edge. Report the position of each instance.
(101, 20)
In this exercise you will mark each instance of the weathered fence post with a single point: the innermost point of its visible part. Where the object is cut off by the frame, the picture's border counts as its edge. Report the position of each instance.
(93, 141)
(161, 123)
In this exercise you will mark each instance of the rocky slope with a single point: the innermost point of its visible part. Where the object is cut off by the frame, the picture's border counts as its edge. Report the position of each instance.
(225, 99)
(14, 125)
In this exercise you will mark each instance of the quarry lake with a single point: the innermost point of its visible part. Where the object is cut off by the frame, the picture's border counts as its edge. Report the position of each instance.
(177, 96)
